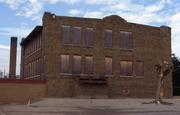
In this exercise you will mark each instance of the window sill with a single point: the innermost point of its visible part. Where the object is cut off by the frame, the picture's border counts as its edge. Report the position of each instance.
(66, 74)
(76, 74)
(140, 77)
(126, 76)
(108, 48)
(124, 49)
(108, 75)
(66, 44)
(74, 45)
(70, 45)
(73, 74)
(84, 75)
(87, 46)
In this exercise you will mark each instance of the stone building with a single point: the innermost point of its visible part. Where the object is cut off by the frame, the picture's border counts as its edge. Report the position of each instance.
(96, 58)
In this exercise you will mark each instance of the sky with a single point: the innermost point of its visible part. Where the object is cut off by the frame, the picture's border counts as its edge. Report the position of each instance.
(19, 17)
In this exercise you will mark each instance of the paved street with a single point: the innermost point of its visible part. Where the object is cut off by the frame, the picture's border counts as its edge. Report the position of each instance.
(49, 106)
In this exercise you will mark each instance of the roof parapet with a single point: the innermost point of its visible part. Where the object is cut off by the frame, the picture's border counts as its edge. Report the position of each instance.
(165, 30)
(165, 27)
(48, 15)
(115, 18)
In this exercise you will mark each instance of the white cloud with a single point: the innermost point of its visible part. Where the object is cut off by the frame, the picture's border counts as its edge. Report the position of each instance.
(51, 1)
(166, 1)
(28, 8)
(74, 12)
(31, 8)
(13, 4)
(102, 2)
(5, 56)
(175, 24)
(133, 12)
(15, 31)
(138, 13)
(71, 1)
(94, 14)
(4, 47)
(153, 8)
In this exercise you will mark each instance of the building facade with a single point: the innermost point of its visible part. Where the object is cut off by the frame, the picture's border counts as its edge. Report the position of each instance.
(96, 58)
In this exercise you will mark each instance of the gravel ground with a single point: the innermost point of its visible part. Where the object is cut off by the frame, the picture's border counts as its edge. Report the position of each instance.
(53, 106)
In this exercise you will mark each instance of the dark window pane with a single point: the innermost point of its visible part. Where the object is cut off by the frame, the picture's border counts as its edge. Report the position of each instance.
(66, 34)
(126, 40)
(39, 66)
(108, 38)
(108, 66)
(88, 65)
(77, 35)
(77, 64)
(64, 63)
(126, 68)
(40, 38)
(139, 69)
(89, 37)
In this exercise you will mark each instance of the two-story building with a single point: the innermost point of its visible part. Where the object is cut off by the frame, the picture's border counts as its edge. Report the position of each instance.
(96, 58)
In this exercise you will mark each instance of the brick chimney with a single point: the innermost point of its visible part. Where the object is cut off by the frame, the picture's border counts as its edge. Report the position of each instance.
(13, 55)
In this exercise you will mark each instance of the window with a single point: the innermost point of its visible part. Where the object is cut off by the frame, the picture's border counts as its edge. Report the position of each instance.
(25, 70)
(89, 37)
(37, 43)
(77, 64)
(139, 68)
(36, 66)
(39, 66)
(88, 65)
(66, 34)
(77, 35)
(64, 63)
(126, 68)
(126, 40)
(40, 38)
(31, 69)
(108, 38)
(108, 66)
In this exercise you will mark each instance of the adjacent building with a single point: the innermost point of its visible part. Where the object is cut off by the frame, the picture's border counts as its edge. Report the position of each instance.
(96, 58)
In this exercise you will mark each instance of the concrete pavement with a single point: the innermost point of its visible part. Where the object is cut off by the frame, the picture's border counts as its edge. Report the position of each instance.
(52, 106)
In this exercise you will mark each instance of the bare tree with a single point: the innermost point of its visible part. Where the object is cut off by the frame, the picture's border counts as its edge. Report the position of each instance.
(162, 70)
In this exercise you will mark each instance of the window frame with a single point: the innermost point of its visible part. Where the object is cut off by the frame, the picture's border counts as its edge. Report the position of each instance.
(68, 40)
(127, 46)
(77, 36)
(68, 66)
(106, 38)
(86, 71)
(89, 42)
(105, 69)
(132, 69)
(80, 64)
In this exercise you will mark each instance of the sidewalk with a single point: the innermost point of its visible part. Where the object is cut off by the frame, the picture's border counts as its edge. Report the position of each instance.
(53, 106)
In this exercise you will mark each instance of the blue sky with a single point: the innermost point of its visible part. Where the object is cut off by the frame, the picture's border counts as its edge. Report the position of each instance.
(19, 17)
